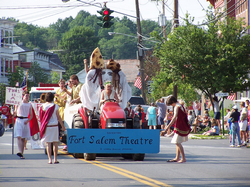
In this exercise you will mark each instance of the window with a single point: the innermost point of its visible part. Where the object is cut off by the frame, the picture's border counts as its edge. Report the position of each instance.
(22, 57)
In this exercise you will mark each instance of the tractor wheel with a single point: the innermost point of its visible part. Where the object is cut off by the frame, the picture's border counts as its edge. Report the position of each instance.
(138, 157)
(89, 156)
(78, 122)
(77, 155)
(127, 156)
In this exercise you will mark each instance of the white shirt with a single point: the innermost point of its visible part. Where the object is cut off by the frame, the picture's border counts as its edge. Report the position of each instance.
(53, 120)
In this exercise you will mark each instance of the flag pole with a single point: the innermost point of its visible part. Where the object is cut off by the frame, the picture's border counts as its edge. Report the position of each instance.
(27, 79)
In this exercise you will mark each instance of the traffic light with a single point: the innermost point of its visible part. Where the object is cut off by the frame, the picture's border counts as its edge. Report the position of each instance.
(105, 18)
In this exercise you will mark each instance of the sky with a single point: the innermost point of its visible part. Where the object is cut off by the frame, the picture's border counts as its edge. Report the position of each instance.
(46, 12)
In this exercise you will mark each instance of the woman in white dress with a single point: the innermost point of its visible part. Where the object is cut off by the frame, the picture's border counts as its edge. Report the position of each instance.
(108, 94)
(49, 118)
(22, 128)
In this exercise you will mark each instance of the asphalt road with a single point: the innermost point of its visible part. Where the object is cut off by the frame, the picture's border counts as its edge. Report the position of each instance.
(209, 163)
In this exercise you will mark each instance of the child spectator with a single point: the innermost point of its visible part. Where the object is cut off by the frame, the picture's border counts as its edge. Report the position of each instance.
(214, 130)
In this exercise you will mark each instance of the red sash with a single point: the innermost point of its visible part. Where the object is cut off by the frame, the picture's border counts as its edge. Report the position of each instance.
(181, 125)
(44, 118)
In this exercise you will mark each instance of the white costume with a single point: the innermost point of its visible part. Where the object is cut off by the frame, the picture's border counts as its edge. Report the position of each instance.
(90, 93)
(20, 129)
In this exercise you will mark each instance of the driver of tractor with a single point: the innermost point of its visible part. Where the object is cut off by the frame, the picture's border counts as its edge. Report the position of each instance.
(108, 94)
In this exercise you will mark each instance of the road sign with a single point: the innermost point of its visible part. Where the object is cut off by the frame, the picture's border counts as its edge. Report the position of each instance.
(222, 94)
(150, 86)
(150, 82)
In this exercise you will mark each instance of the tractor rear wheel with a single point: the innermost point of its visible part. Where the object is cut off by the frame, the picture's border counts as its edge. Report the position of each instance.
(138, 157)
(89, 156)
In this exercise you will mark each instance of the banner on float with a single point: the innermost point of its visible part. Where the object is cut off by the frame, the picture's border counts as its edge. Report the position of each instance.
(113, 141)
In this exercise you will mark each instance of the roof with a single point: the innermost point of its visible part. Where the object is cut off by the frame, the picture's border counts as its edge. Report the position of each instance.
(54, 58)
(130, 68)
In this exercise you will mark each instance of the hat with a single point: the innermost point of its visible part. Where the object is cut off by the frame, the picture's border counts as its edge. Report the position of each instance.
(152, 104)
(235, 107)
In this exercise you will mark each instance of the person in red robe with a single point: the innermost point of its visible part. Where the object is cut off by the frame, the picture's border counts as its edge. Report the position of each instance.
(181, 129)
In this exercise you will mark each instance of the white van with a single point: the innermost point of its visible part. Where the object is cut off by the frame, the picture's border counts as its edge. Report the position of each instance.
(36, 92)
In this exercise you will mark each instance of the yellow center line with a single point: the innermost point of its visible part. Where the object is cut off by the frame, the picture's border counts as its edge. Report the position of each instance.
(140, 178)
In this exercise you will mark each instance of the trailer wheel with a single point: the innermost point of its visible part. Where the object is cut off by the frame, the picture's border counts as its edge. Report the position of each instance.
(89, 156)
(77, 155)
(138, 157)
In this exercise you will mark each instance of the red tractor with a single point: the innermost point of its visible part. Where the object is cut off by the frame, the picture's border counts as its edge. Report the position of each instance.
(112, 116)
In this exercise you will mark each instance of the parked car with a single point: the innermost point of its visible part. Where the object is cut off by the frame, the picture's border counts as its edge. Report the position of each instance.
(136, 100)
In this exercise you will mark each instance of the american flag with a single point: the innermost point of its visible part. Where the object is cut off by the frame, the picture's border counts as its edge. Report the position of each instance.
(138, 81)
(231, 96)
(24, 84)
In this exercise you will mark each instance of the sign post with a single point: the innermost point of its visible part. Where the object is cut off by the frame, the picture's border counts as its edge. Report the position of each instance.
(13, 97)
(225, 94)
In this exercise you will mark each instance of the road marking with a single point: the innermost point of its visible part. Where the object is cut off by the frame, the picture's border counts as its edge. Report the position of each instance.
(140, 178)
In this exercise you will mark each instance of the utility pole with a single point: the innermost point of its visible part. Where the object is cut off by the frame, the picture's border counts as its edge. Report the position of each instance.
(164, 26)
(140, 50)
(176, 24)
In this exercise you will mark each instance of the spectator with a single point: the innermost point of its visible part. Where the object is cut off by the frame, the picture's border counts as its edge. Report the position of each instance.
(152, 116)
(214, 130)
(167, 119)
(226, 118)
(143, 118)
(205, 120)
(5, 112)
(49, 118)
(234, 117)
(196, 108)
(243, 123)
(217, 113)
(139, 114)
(161, 112)
(190, 117)
(129, 111)
(248, 119)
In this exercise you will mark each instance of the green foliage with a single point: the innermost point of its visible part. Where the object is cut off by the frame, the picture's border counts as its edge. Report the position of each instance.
(16, 76)
(36, 74)
(2, 92)
(206, 60)
(78, 44)
(163, 86)
(31, 36)
(55, 77)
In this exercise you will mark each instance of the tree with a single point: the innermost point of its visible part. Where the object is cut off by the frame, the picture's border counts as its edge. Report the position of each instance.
(212, 59)
(55, 77)
(2, 92)
(17, 76)
(78, 44)
(36, 74)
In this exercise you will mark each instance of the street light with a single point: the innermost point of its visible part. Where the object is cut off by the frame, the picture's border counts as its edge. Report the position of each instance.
(112, 33)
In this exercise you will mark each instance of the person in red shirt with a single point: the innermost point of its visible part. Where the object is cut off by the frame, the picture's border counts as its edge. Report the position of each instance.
(5, 112)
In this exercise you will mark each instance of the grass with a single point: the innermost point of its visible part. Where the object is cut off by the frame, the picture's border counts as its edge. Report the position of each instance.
(204, 137)
(199, 135)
